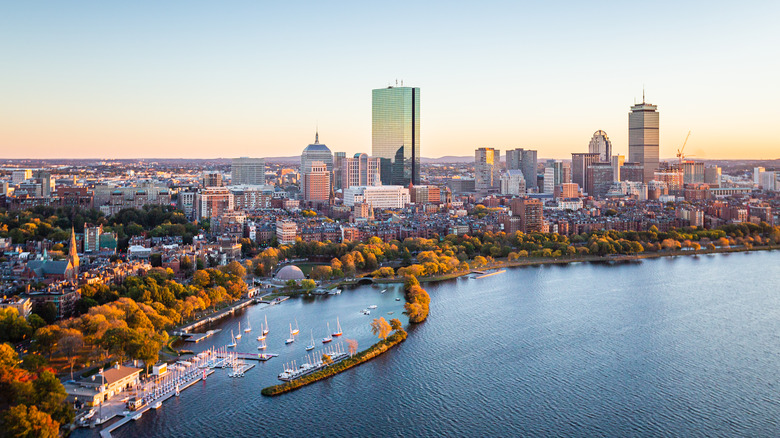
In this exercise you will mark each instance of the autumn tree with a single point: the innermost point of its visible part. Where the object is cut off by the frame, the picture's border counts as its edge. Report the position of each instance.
(380, 328)
(395, 324)
(69, 345)
(352, 345)
(28, 422)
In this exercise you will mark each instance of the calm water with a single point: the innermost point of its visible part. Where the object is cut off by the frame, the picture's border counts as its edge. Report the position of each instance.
(667, 347)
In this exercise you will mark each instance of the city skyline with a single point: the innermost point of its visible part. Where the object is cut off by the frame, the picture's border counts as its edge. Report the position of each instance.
(154, 81)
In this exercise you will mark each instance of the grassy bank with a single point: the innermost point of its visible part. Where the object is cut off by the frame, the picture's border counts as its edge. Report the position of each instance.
(364, 356)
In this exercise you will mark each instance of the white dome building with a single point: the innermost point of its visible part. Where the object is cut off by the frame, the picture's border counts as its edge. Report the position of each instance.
(290, 272)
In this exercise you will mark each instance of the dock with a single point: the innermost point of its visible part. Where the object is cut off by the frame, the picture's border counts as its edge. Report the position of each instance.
(197, 337)
(246, 356)
(215, 317)
(488, 274)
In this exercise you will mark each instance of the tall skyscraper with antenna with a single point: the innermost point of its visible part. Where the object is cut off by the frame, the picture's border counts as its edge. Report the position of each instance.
(643, 124)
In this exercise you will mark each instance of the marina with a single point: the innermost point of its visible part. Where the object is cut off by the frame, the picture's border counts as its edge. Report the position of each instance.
(312, 364)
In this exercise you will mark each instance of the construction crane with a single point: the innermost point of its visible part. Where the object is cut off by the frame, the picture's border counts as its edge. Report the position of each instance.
(680, 151)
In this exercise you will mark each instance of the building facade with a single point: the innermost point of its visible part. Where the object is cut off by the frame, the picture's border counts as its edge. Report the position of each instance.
(247, 170)
(395, 134)
(601, 145)
(643, 126)
(486, 169)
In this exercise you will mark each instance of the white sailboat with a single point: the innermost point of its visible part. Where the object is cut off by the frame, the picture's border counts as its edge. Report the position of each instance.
(338, 328)
(265, 327)
(232, 343)
(248, 328)
(291, 339)
(263, 332)
(295, 331)
(327, 338)
(262, 345)
(238, 336)
(311, 345)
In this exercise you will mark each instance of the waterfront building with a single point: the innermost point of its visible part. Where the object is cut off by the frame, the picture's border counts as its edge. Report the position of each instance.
(247, 170)
(378, 196)
(600, 144)
(395, 134)
(579, 167)
(486, 169)
(531, 214)
(643, 128)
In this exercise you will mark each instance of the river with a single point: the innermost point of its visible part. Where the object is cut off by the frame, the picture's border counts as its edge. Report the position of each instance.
(683, 346)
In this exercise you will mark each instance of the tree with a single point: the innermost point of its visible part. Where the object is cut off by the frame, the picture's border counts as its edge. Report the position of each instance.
(327, 360)
(308, 284)
(352, 345)
(380, 327)
(69, 345)
(395, 324)
(46, 338)
(23, 422)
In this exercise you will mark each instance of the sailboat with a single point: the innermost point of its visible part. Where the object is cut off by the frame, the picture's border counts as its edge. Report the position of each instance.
(295, 331)
(291, 339)
(238, 336)
(262, 345)
(262, 336)
(248, 328)
(232, 340)
(338, 328)
(311, 345)
(265, 327)
(327, 338)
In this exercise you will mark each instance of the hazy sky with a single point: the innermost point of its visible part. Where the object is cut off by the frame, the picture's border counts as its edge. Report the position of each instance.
(224, 79)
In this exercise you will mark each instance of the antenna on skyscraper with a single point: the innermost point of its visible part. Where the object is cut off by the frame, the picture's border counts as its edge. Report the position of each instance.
(643, 93)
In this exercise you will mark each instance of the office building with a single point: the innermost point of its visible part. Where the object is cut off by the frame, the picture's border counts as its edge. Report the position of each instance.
(617, 163)
(568, 190)
(213, 201)
(92, 237)
(712, 176)
(360, 170)
(672, 179)
(643, 126)
(632, 172)
(395, 134)
(208, 179)
(286, 232)
(20, 175)
(512, 182)
(338, 160)
(530, 212)
(757, 175)
(486, 169)
(600, 179)
(316, 183)
(316, 152)
(600, 144)
(524, 160)
(378, 196)
(246, 170)
(579, 167)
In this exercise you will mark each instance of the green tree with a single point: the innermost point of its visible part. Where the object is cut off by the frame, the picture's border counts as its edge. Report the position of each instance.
(23, 422)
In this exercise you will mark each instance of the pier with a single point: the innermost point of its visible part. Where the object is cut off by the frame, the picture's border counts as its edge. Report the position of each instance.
(197, 337)
(215, 317)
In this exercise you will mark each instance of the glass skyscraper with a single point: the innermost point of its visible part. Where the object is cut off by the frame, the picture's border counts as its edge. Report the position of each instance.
(395, 134)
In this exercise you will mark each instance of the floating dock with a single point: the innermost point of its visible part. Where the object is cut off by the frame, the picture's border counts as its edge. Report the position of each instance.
(488, 274)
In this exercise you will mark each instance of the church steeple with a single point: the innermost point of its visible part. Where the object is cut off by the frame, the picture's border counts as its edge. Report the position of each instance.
(73, 256)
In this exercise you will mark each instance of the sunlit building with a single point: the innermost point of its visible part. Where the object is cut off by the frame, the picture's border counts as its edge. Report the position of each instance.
(601, 145)
(643, 125)
(395, 134)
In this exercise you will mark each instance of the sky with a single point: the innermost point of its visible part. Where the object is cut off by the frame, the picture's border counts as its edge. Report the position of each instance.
(203, 79)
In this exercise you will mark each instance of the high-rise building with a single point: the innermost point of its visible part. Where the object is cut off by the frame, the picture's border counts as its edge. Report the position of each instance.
(524, 160)
(247, 170)
(338, 159)
(569, 190)
(360, 170)
(601, 145)
(395, 134)
(513, 182)
(632, 172)
(712, 176)
(211, 178)
(617, 162)
(486, 169)
(92, 237)
(316, 152)
(316, 183)
(530, 212)
(643, 125)
(20, 175)
(693, 172)
(212, 201)
(600, 179)
(579, 167)
(378, 196)
(757, 171)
